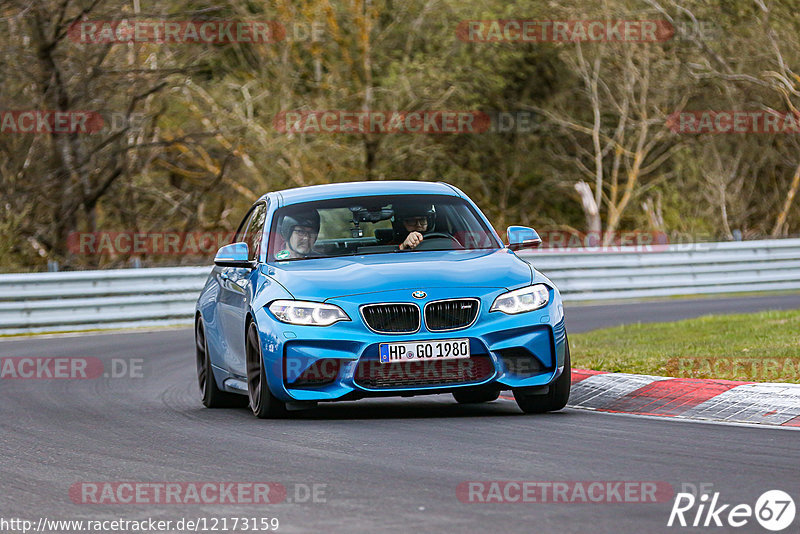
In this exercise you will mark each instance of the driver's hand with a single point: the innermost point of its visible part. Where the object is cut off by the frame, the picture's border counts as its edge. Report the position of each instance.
(413, 239)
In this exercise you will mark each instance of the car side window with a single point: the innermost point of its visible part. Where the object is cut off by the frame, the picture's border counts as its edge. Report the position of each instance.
(240, 233)
(255, 231)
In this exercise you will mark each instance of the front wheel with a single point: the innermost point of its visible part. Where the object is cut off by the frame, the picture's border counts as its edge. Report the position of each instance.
(263, 403)
(555, 399)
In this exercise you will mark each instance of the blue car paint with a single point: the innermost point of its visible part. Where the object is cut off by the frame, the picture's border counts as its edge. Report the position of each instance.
(311, 279)
(232, 296)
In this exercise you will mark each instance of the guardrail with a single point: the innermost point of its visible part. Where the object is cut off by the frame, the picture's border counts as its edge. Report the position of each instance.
(689, 269)
(149, 297)
(84, 300)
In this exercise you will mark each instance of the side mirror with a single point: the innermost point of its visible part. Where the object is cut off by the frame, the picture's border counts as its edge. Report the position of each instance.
(522, 237)
(233, 255)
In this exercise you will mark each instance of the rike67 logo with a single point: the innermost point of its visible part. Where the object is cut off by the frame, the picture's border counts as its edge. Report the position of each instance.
(774, 510)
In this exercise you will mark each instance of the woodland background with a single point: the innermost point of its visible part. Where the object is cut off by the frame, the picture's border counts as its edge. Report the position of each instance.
(198, 144)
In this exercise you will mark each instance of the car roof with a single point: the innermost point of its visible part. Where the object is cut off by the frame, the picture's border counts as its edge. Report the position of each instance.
(356, 189)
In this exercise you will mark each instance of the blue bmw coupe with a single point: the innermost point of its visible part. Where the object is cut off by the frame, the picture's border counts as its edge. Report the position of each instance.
(372, 289)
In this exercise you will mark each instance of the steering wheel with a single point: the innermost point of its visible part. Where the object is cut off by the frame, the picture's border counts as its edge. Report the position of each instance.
(428, 238)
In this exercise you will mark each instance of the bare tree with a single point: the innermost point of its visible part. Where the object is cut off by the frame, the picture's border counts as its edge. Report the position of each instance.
(618, 138)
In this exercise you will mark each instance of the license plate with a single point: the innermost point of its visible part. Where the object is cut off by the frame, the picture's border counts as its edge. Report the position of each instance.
(441, 349)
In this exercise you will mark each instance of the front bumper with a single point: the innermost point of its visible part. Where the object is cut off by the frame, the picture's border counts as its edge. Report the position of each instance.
(340, 362)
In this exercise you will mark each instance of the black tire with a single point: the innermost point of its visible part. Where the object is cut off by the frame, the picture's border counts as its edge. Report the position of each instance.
(262, 401)
(210, 395)
(476, 396)
(555, 399)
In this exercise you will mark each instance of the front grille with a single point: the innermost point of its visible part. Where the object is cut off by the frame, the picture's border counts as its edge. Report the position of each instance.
(445, 315)
(375, 375)
(391, 318)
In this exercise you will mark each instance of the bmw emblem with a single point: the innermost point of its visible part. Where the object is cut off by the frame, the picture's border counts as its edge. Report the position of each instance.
(419, 294)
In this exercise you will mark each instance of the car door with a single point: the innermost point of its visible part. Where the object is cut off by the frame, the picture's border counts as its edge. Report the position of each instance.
(236, 285)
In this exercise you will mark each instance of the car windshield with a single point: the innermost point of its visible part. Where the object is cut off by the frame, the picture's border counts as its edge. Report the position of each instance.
(377, 225)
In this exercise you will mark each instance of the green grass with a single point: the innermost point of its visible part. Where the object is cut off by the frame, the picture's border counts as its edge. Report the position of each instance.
(759, 347)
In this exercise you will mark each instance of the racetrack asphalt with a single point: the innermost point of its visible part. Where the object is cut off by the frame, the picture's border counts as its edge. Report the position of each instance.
(387, 465)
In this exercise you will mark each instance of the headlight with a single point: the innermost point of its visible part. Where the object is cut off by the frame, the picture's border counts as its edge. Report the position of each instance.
(522, 300)
(307, 313)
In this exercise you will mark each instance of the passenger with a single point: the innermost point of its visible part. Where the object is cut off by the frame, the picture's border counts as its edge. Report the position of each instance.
(299, 231)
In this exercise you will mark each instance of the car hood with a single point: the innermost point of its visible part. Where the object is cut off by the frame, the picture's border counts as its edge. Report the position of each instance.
(325, 278)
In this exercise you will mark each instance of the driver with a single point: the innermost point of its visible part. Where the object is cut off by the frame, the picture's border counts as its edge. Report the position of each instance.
(299, 230)
(411, 222)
